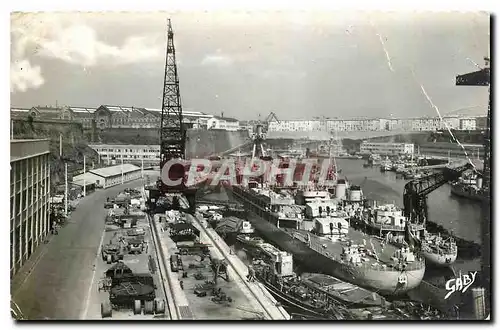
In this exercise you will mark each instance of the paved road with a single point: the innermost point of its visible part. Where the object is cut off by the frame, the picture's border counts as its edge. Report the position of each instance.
(58, 285)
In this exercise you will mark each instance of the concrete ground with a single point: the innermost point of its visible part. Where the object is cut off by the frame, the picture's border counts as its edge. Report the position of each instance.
(204, 308)
(56, 282)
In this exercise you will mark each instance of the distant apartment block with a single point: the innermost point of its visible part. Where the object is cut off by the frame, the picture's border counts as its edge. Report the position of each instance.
(376, 124)
(112, 154)
(383, 148)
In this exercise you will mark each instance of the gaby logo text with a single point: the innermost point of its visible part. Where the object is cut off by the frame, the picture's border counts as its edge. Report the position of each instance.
(461, 283)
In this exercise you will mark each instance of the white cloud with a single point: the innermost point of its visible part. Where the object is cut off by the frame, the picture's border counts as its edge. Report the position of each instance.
(70, 39)
(23, 76)
(216, 59)
(79, 44)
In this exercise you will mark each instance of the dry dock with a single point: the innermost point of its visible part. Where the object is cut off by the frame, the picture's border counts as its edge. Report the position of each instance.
(248, 300)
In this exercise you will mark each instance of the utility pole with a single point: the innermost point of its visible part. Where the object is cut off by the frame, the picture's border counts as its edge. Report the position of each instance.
(122, 168)
(12, 129)
(84, 182)
(60, 145)
(66, 189)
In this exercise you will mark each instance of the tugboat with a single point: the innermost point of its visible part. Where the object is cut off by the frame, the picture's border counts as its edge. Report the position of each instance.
(470, 187)
(386, 165)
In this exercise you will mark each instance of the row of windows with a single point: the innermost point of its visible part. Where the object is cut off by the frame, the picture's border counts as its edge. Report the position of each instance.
(383, 145)
(105, 156)
(22, 200)
(127, 150)
(20, 236)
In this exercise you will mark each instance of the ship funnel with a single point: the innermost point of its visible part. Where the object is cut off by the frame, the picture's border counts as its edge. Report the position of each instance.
(479, 182)
(340, 190)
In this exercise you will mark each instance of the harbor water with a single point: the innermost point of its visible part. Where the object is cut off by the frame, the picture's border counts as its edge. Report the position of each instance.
(461, 216)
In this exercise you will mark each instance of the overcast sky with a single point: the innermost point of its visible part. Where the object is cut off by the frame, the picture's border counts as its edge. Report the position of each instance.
(298, 65)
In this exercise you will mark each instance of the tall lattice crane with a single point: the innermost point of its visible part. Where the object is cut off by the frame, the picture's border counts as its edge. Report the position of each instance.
(172, 129)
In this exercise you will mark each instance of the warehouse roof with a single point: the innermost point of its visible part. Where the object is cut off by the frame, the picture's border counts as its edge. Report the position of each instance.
(88, 178)
(115, 170)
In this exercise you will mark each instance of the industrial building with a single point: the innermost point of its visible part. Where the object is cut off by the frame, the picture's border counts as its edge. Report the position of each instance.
(109, 176)
(112, 153)
(109, 116)
(452, 150)
(226, 123)
(29, 199)
(383, 148)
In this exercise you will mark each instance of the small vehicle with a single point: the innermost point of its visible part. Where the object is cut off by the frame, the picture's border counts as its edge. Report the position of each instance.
(111, 253)
(135, 245)
(175, 263)
(201, 290)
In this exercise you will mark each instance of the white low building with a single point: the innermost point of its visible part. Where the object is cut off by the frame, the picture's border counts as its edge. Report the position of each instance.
(109, 176)
(383, 148)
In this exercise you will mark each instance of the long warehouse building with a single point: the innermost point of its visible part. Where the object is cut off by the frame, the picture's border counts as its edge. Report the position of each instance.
(109, 176)
(29, 199)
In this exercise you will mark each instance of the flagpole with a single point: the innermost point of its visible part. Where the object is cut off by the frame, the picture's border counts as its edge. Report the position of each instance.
(84, 182)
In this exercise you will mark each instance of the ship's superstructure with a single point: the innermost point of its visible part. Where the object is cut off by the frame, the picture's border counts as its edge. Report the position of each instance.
(469, 186)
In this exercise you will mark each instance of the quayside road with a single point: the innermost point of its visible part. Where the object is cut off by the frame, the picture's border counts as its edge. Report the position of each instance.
(55, 282)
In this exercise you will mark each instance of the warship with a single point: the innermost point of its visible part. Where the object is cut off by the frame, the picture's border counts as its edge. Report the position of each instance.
(389, 222)
(328, 244)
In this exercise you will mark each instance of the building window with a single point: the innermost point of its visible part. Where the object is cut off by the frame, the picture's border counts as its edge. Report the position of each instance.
(18, 203)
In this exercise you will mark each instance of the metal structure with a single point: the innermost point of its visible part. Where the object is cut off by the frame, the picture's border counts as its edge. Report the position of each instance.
(482, 78)
(258, 138)
(416, 192)
(268, 119)
(172, 130)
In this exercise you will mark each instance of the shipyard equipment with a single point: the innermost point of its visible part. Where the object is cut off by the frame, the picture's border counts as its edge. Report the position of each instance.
(129, 290)
(416, 192)
(112, 252)
(173, 132)
(219, 267)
